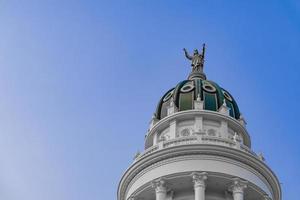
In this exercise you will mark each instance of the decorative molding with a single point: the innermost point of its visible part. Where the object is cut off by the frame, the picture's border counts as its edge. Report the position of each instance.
(197, 157)
(159, 185)
(242, 120)
(199, 179)
(224, 109)
(218, 152)
(153, 121)
(171, 108)
(196, 137)
(228, 195)
(131, 198)
(238, 185)
(191, 114)
(198, 104)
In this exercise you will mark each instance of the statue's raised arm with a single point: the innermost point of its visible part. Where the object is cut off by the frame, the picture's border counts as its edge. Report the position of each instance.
(187, 54)
(203, 51)
(197, 62)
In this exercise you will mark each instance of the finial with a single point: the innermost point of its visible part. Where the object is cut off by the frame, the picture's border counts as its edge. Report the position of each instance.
(261, 156)
(242, 120)
(197, 63)
(153, 116)
(236, 137)
(198, 97)
(172, 102)
(224, 102)
(137, 154)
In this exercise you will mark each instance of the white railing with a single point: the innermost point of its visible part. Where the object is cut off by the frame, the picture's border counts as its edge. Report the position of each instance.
(218, 141)
(197, 140)
(180, 141)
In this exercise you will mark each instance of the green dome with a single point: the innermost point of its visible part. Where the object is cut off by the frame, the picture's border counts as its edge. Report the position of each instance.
(184, 94)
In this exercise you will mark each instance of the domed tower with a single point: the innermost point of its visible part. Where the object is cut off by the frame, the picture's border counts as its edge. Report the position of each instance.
(198, 148)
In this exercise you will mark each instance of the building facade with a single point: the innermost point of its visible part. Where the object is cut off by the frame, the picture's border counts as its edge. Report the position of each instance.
(198, 148)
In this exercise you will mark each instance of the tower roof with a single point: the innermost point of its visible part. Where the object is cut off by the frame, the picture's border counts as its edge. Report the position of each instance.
(185, 93)
(197, 88)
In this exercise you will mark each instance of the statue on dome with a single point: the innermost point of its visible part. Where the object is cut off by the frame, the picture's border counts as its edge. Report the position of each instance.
(197, 59)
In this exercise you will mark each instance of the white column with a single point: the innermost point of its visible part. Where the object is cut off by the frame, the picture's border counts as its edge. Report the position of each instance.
(238, 188)
(160, 189)
(199, 185)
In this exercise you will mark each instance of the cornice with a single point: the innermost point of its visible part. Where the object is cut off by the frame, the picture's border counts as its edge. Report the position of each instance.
(158, 157)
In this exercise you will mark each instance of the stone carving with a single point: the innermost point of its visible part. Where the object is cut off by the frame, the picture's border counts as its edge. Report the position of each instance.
(211, 132)
(236, 137)
(159, 185)
(238, 186)
(162, 138)
(197, 59)
(185, 132)
(200, 132)
(199, 178)
(224, 109)
(198, 104)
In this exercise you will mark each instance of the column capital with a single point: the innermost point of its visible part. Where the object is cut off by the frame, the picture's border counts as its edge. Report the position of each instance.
(159, 185)
(238, 185)
(199, 179)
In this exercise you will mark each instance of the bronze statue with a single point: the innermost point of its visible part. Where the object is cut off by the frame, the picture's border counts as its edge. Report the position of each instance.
(197, 59)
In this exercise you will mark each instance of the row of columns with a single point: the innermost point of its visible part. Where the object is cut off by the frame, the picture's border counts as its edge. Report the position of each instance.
(199, 179)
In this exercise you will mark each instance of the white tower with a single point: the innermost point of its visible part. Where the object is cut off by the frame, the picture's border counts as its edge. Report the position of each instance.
(198, 148)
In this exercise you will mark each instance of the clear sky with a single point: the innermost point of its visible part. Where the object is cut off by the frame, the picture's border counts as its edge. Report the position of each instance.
(79, 81)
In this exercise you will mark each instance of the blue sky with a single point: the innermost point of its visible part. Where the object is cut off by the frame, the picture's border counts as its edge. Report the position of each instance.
(79, 81)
